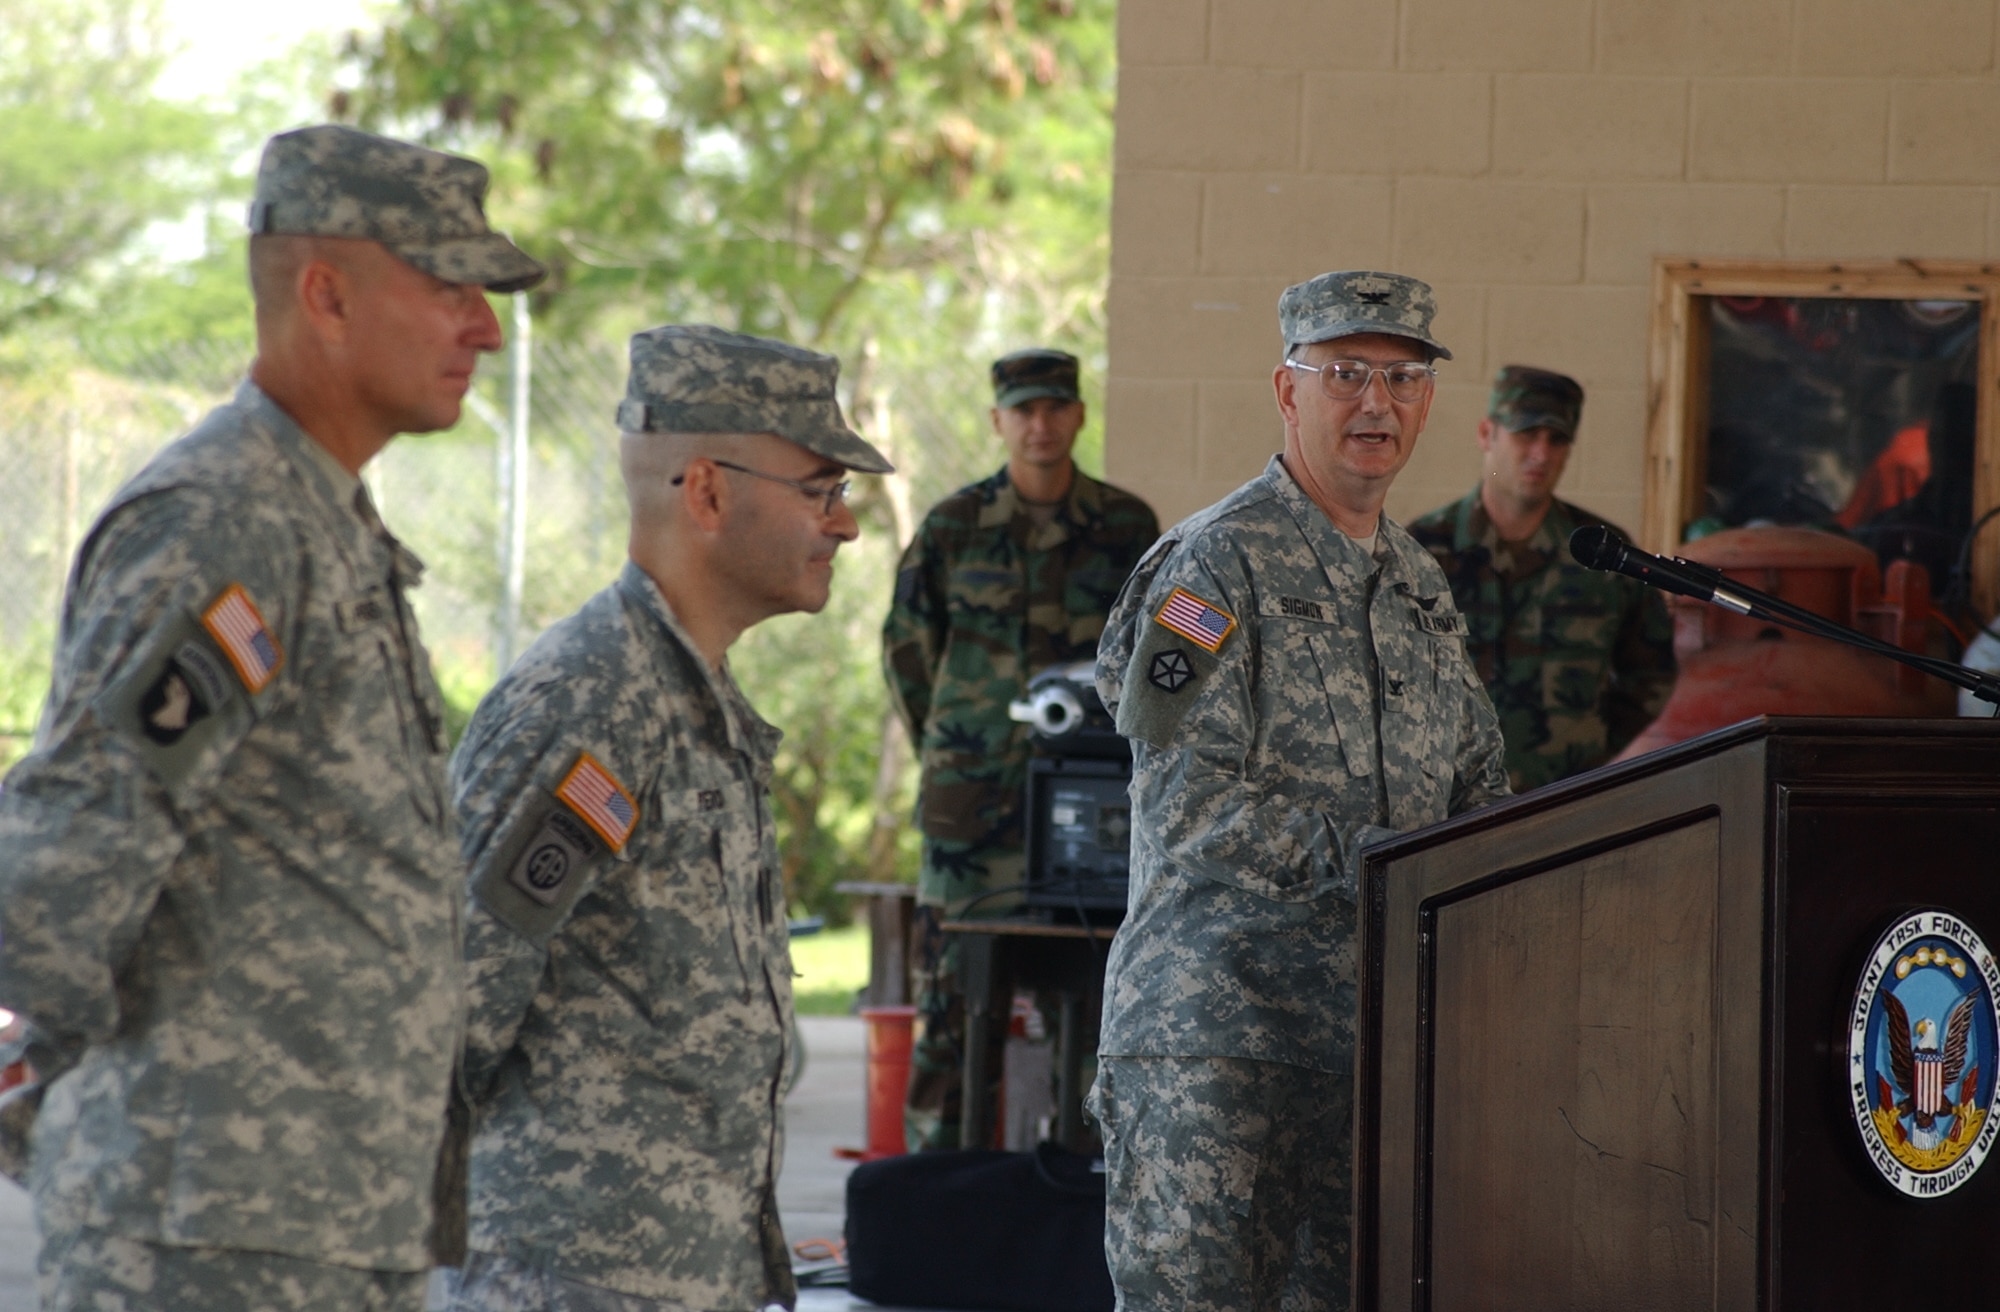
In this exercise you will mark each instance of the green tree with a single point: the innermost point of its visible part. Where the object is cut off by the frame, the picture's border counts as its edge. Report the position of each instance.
(775, 162)
(89, 155)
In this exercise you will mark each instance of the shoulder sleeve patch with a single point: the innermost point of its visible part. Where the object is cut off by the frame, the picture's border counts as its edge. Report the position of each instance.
(1164, 679)
(1196, 620)
(599, 800)
(181, 709)
(237, 626)
(534, 882)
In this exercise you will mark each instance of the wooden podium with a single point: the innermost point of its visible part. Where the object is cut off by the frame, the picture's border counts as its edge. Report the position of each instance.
(1603, 1052)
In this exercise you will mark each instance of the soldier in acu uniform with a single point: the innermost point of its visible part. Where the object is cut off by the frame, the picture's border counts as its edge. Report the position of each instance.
(1577, 661)
(1292, 674)
(1004, 579)
(626, 942)
(229, 877)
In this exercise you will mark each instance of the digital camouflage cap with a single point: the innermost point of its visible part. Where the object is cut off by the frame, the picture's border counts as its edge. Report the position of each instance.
(1345, 303)
(1527, 397)
(693, 378)
(426, 207)
(1039, 371)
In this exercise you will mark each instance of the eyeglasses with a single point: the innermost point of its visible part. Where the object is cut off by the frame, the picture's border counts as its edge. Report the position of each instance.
(1343, 380)
(828, 496)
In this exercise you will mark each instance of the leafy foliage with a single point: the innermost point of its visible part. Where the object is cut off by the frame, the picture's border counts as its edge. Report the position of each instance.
(770, 162)
(88, 154)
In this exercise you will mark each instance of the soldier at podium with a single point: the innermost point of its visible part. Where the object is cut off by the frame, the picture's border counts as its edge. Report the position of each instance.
(1291, 670)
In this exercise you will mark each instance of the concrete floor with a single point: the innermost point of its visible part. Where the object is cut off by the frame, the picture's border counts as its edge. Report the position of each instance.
(825, 1112)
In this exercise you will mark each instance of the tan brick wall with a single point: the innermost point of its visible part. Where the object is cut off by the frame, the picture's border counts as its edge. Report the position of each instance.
(1530, 159)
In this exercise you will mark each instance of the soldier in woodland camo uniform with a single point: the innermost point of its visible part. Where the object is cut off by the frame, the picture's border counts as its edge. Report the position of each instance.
(1292, 675)
(626, 937)
(1577, 661)
(229, 878)
(1004, 578)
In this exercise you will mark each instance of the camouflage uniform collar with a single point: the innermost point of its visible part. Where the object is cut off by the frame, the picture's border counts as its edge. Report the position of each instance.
(1083, 503)
(343, 496)
(1346, 563)
(1473, 527)
(748, 731)
(1339, 554)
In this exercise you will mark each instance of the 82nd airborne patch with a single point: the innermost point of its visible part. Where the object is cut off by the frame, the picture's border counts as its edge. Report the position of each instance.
(561, 845)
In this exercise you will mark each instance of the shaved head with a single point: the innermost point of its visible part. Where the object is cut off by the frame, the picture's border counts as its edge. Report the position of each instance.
(276, 259)
(651, 461)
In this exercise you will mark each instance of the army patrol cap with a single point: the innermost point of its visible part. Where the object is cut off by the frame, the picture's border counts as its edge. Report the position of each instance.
(425, 206)
(693, 378)
(1040, 371)
(1527, 397)
(1345, 303)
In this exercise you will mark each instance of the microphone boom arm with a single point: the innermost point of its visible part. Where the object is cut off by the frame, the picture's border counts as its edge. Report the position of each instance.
(1704, 583)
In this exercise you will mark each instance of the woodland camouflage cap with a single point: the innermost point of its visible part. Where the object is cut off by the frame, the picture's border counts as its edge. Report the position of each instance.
(425, 206)
(1342, 304)
(1039, 371)
(692, 378)
(1527, 397)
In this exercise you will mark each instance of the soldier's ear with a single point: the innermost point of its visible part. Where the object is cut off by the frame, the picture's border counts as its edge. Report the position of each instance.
(1487, 428)
(704, 494)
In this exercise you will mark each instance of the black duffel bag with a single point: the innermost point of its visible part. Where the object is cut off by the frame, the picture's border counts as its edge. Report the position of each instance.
(979, 1229)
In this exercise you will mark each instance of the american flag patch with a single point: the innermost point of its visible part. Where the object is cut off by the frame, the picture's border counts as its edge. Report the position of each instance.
(234, 622)
(1196, 620)
(594, 794)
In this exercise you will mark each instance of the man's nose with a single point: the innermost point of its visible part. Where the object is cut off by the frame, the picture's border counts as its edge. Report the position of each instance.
(483, 331)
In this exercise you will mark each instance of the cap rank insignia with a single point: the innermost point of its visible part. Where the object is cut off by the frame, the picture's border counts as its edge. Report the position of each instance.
(1196, 620)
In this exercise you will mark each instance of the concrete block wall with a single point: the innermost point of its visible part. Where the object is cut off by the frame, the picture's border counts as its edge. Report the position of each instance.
(1528, 158)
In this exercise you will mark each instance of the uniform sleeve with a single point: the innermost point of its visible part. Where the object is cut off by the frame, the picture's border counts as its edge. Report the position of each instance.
(530, 856)
(1643, 669)
(147, 707)
(913, 636)
(1192, 717)
(1479, 767)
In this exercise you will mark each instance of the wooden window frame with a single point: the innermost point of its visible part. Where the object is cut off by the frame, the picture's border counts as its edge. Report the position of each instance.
(1677, 383)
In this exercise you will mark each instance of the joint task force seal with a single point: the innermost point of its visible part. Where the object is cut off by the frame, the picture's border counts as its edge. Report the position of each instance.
(1922, 1040)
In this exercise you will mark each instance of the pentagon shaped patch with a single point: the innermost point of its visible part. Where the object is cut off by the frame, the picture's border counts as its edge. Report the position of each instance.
(1170, 670)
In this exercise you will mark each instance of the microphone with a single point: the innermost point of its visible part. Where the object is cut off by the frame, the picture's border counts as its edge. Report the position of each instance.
(1596, 547)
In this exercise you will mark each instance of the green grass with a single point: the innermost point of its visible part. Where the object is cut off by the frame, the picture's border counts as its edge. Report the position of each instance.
(829, 967)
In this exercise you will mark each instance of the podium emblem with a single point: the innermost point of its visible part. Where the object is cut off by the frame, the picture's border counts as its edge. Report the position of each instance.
(1922, 1041)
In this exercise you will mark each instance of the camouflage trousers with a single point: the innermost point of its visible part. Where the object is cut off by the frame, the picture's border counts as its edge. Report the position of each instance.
(932, 1108)
(96, 1271)
(492, 1283)
(955, 880)
(1229, 1184)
